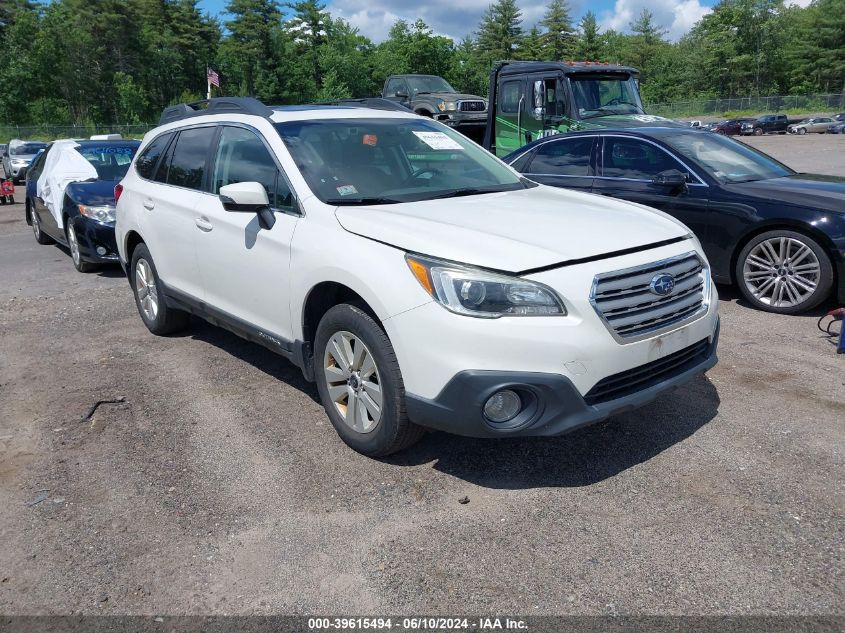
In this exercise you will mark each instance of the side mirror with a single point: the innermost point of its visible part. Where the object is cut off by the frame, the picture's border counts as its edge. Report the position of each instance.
(401, 94)
(248, 197)
(670, 178)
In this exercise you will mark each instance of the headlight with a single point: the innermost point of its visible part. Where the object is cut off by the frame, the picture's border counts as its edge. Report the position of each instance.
(104, 214)
(447, 106)
(479, 293)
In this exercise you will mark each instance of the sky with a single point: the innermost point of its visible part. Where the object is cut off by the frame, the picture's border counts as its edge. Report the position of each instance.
(457, 19)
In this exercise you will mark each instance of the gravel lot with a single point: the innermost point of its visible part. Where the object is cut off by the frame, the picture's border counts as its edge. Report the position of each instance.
(217, 485)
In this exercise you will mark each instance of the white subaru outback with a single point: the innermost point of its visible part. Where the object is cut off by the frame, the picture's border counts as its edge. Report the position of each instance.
(420, 281)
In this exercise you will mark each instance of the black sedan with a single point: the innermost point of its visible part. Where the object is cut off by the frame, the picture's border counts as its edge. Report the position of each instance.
(70, 197)
(778, 234)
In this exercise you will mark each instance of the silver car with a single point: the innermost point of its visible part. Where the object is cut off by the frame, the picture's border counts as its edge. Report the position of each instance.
(17, 157)
(817, 124)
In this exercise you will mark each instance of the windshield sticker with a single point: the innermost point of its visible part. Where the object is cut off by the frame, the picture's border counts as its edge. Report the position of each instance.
(346, 190)
(438, 140)
(370, 139)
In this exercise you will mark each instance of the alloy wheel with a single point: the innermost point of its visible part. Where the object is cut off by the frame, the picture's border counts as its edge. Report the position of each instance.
(36, 227)
(781, 272)
(74, 245)
(353, 382)
(145, 288)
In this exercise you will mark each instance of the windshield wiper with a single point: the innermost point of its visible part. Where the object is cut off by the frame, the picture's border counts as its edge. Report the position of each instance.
(466, 191)
(355, 201)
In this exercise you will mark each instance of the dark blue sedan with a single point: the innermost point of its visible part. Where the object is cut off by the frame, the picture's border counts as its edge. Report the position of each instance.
(70, 197)
(777, 234)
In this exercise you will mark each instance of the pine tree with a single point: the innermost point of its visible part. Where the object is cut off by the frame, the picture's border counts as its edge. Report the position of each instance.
(308, 29)
(533, 46)
(589, 42)
(248, 51)
(559, 38)
(500, 31)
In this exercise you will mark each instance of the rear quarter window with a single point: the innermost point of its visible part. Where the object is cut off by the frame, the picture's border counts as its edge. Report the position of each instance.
(190, 155)
(146, 162)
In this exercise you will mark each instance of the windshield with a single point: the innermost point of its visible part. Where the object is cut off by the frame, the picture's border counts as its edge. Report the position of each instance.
(384, 161)
(26, 149)
(110, 161)
(429, 84)
(725, 159)
(600, 95)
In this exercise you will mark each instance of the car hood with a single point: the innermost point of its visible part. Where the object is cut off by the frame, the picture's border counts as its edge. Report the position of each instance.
(513, 231)
(94, 193)
(803, 190)
(26, 157)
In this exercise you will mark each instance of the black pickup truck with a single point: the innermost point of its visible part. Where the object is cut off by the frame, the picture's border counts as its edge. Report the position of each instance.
(432, 96)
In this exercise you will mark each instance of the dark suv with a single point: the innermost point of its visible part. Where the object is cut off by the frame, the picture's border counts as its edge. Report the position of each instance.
(432, 96)
(766, 124)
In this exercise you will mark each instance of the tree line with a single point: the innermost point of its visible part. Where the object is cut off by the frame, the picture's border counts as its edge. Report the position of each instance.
(122, 61)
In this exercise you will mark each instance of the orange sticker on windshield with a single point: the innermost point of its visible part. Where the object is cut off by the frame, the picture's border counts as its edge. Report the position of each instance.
(370, 139)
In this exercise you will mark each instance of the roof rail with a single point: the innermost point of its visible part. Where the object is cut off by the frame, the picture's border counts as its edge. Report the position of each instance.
(216, 105)
(374, 103)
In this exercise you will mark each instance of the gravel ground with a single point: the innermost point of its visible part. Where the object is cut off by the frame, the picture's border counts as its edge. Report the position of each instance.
(215, 484)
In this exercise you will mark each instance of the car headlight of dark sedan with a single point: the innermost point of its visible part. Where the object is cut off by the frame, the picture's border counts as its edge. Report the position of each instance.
(103, 214)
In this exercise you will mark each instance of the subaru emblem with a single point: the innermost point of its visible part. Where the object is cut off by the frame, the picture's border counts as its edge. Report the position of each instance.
(662, 284)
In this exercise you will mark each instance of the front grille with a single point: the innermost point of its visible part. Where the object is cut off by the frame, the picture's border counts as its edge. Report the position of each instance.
(627, 382)
(630, 310)
(472, 106)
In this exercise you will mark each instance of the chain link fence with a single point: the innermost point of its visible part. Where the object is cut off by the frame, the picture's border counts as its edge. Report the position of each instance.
(790, 104)
(52, 132)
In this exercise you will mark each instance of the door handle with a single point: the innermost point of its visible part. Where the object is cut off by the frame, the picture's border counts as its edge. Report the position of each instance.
(149, 205)
(203, 224)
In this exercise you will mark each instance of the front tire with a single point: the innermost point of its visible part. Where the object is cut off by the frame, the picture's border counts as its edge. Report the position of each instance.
(360, 383)
(784, 272)
(802, 131)
(159, 318)
(758, 131)
(73, 244)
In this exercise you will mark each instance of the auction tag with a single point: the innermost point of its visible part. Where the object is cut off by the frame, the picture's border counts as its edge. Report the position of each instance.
(438, 140)
(346, 190)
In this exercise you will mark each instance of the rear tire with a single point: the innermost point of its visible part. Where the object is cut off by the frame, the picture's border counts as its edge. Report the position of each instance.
(159, 318)
(785, 272)
(40, 236)
(360, 383)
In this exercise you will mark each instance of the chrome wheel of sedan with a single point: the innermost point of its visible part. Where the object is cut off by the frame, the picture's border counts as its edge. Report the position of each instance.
(353, 381)
(145, 287)
(36, 227)
(781, 272)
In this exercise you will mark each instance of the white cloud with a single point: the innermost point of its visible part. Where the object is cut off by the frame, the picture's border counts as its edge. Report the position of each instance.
(677, 16)
(445, 17)
(799, 3)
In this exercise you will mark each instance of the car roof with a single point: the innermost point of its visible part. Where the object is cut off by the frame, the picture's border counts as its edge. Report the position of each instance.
(645, 132)
(518, 68)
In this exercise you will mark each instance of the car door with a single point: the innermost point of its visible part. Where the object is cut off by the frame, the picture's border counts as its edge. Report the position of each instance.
(245, 268)
(169, 202)
(566, 162)
(627, 167)
(508, 128)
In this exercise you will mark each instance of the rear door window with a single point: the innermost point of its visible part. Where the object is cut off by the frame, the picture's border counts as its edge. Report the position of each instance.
(187, 166)
(509, 98)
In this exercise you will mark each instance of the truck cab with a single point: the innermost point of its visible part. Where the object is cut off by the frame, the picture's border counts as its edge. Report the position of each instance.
(529, 100)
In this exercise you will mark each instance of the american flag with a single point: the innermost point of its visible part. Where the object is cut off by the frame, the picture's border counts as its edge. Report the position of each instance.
(213, 77)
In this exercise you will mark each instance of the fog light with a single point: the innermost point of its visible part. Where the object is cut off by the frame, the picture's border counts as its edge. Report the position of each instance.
(101, 250)
(502, 406)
